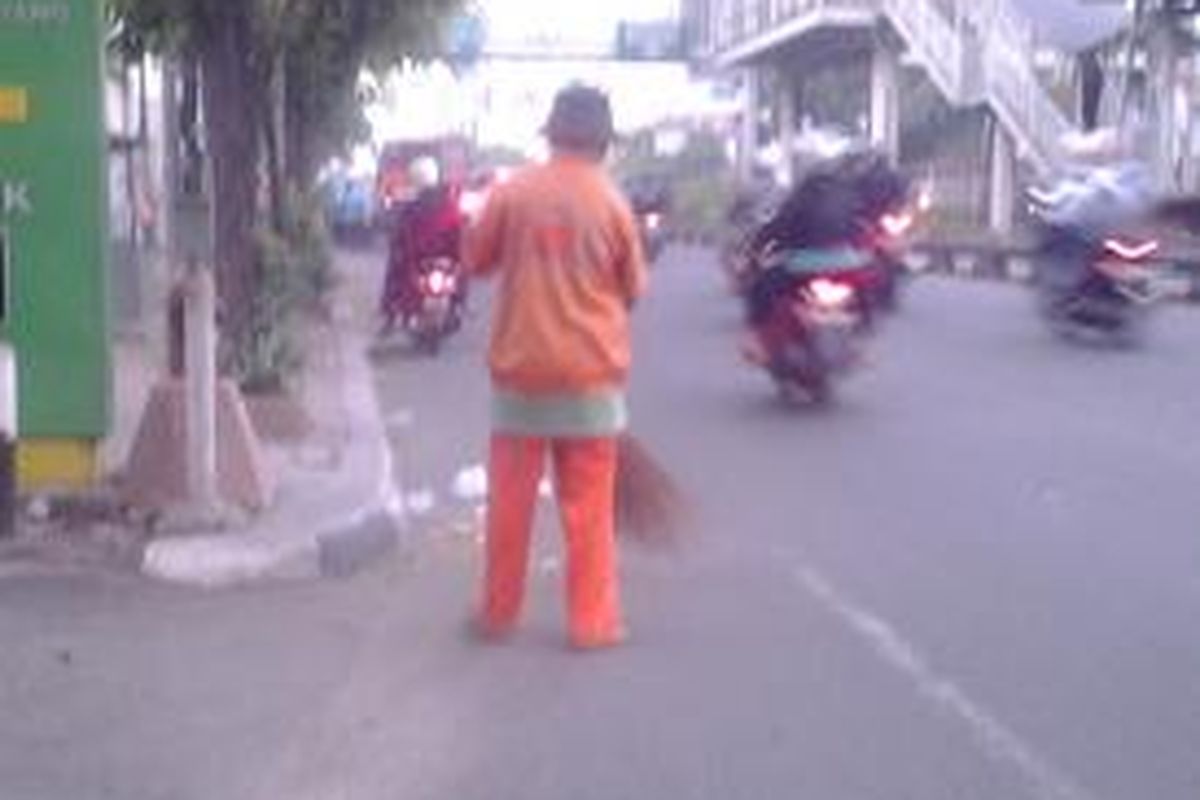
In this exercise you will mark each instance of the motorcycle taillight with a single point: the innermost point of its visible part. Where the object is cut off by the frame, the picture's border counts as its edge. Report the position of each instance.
(1128, 249)
(439, 282)
(897, 224)
(829, 293)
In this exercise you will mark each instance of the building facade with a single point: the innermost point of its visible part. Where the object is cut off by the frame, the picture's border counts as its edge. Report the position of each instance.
(979, 95)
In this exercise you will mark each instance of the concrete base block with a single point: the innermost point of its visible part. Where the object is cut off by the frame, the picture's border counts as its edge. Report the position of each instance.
(156, 474)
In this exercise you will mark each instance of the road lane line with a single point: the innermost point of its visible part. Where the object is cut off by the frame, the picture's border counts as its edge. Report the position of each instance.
(999, 742)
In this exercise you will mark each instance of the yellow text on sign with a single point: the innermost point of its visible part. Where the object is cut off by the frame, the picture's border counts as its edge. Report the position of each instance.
(14, 105)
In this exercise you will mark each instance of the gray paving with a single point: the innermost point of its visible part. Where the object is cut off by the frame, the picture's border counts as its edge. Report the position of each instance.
(974, 577)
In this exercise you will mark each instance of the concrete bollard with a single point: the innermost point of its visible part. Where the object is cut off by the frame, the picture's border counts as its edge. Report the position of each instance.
(200, 361)
(8, 441)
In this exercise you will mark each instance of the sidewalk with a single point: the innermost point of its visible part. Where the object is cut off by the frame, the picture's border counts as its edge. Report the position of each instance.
(336, 505)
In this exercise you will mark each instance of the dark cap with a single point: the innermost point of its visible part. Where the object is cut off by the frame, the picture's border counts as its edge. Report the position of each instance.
(581, 118)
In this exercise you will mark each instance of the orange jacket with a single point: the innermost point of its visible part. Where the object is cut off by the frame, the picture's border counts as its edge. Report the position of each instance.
(562, 241)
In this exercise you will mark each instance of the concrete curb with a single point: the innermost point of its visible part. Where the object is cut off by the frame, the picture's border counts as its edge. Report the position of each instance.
(1181, 286)
(362, 522)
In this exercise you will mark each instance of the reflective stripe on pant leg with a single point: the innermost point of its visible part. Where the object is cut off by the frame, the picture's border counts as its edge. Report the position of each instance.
(585, 472)
(514, 469)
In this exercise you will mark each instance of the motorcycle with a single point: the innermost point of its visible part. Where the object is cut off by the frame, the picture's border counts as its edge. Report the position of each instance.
(1096, 273)
(749, 212)
(889, 240)
(651, 226)
(817, 324)
(819, 270)
(1101, 289)
(650, 201)
(441, 298)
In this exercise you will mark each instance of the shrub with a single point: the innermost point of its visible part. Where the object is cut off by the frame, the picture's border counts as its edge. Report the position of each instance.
(294, 277)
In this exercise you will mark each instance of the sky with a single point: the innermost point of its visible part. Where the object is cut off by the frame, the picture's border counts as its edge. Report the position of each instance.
(585, 20)
(1073, 24)
(506, 101)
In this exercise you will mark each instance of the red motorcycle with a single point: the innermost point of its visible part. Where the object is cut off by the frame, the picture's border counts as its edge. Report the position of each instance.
(820, 271)
(425, 290)
(430, 307)
(815, 319)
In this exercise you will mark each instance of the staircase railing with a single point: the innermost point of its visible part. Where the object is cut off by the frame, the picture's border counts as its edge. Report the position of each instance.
(949, 50)
(1024, 105)
(933, 40)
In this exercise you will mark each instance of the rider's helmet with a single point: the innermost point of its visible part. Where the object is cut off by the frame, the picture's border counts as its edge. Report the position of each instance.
(424, 173)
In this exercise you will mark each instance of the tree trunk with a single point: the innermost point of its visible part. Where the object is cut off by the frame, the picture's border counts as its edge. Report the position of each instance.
(298, 131)
(272, 127)
(191, 181)
(232, 105)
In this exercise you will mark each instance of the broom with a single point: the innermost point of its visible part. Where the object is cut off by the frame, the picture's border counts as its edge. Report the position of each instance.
(651, 509)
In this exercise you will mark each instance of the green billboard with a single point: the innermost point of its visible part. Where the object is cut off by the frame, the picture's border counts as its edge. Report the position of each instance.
(53, 229)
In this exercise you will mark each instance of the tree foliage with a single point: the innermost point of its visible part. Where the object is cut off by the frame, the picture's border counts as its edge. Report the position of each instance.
(278, 80)
(313, 49)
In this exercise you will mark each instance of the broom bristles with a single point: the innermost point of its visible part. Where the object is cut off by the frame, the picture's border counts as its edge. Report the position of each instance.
(650, 507)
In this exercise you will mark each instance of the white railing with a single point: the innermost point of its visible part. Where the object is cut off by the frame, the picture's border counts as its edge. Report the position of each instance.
(1008, 83)
(1012, 82)
(1023, 103)
(739, 21)
(934, 41)
(1001, 20)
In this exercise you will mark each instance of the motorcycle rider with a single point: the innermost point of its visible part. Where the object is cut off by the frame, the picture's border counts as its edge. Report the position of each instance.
(429, 226)
(827, 216)
(1084, 207)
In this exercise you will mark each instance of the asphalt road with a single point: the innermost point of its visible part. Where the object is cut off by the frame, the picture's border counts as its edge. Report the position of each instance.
(976, 576)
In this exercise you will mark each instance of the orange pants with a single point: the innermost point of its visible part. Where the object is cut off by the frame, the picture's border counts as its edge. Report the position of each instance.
(585, 479)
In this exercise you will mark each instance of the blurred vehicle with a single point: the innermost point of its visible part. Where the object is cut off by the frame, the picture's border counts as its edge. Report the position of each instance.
(814, 270)
(349, 202)
(752, 207)
(425, 288)
(813, 330)
(441, 301)
(889, 237)
(1096, 268)
(393, 187)
(650, 200)
(651, 220)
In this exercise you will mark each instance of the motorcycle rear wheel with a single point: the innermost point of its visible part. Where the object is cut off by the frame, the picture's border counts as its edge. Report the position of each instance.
(804, 384)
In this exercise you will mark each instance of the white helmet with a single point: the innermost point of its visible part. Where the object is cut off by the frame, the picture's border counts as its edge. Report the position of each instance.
(424, 173)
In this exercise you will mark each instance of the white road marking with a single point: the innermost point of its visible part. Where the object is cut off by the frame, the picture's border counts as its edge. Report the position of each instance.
(1003, 745)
